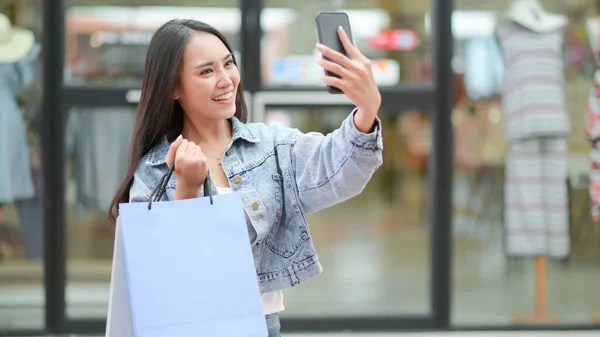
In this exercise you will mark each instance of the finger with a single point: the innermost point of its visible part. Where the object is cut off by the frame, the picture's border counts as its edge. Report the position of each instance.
(191, 148)
(335, 82)
(350, 47)
(197, 151)
(335, 56)
(181, 151)
(334, 68)
(173, 149)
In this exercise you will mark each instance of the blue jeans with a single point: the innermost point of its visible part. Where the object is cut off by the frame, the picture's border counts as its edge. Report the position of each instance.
(273, 325)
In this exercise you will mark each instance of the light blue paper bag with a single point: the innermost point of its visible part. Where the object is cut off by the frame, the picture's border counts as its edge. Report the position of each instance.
(184, 268)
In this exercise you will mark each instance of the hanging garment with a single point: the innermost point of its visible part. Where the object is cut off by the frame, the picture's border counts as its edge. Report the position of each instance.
(536, 208)
(593, 134)
(97, 141)
(483, 68)
(594, 181)
(537, 127)
(592, 128)
(15, 172)
(533, 96)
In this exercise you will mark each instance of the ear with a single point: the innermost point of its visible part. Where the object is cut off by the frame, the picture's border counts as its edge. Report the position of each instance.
(175, 93)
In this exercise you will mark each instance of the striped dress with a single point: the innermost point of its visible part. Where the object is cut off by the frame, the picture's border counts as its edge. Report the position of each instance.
(537, 127)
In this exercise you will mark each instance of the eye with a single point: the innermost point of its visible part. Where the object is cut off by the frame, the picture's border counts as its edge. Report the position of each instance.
(229, 63)
(206, 72)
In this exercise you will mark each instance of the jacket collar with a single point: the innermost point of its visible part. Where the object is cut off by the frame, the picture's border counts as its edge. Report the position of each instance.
(158, 154)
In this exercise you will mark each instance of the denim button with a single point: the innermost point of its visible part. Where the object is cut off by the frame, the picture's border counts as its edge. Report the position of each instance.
(228, 152)
(237, 179)
(255, 206)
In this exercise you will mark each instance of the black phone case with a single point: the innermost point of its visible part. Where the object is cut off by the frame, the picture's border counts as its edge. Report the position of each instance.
(327, 25)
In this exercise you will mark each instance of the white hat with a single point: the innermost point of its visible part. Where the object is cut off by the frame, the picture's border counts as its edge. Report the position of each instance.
(531, 15)
(14, 42)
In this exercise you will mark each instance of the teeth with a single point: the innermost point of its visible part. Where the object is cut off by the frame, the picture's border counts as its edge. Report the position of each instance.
(223, 97)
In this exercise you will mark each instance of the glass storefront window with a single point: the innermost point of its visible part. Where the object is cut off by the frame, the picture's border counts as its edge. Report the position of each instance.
(389, 32)
(22, 295)
(525, 241)
(106, 44)
(376, 245)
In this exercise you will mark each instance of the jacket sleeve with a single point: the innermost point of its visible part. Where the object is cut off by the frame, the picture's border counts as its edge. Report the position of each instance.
(332, 168)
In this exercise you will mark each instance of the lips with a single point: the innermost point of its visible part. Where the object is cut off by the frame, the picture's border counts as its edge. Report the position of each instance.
(223, 97)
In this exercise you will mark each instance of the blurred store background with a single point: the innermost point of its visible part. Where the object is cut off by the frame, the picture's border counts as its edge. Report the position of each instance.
(376, 249)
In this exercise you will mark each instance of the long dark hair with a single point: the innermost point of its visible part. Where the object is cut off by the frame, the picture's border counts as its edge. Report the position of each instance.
(158, 114)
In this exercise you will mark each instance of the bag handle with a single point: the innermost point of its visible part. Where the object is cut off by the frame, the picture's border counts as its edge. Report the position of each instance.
(162, 186)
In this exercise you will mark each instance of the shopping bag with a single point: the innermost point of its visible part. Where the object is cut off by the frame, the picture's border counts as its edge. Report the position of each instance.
(184, 268)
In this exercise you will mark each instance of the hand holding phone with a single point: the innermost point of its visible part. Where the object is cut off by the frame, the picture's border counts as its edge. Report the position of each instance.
(347, 70)
(328, 24)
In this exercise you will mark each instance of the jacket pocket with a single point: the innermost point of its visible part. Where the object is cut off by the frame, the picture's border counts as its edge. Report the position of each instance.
(289, 231)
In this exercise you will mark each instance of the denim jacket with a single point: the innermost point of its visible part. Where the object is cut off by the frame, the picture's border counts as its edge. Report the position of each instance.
(282, 174)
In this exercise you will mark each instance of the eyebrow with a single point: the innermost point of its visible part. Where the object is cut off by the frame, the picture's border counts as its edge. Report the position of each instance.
(210, 63)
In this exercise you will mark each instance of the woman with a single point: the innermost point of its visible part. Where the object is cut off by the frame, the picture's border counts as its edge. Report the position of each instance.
(192, 114)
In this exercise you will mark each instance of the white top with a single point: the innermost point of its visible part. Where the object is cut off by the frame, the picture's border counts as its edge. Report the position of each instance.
(272, 301)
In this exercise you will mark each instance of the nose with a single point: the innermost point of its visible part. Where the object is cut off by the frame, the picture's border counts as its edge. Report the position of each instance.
(224, 81)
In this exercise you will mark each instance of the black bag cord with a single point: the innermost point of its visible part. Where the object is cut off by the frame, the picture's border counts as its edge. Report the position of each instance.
(162, 187)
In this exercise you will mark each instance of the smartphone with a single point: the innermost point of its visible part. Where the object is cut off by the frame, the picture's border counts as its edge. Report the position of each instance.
(327, 29)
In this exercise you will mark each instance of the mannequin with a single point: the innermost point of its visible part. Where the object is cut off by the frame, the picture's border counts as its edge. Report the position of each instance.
(537, 128)
(18, 55)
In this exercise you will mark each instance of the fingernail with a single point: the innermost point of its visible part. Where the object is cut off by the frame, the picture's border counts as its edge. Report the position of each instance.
(179, 138)
(340, 29)
(320, 46)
